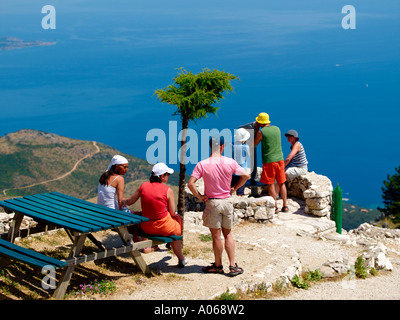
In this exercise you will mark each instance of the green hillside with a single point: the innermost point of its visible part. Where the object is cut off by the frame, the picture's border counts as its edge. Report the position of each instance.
(29, 157)
(354, 215)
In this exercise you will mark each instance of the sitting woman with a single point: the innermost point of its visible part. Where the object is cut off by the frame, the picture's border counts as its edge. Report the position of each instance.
(296, 162)
(112, 184)
(158, 204)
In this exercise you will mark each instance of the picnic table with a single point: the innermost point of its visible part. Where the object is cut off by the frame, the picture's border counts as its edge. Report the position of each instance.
(81, 220)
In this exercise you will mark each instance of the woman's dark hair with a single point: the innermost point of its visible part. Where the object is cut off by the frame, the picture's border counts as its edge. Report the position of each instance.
(104, 177)
(154, 178)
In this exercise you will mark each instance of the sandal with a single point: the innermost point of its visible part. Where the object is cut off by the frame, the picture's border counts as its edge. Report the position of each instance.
(235, 270)
(285, 209)
(151, 249)
(182, 263)
(276, 210)
(213, 269)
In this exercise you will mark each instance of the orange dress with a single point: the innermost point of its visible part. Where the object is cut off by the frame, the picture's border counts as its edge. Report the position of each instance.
(154, 202)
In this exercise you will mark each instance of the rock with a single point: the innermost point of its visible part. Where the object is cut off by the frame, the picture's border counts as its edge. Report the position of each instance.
(328, 272)
(320, 213)
(316, 190)
(266, 201)
(318, 203)
(263, 213)
(375, 257)
(335, 267)
(4, 217)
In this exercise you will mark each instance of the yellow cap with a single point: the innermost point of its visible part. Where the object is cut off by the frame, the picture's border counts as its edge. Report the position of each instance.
(263, 118)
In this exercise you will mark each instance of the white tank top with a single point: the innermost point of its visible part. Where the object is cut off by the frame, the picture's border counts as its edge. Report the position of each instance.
(107, 195)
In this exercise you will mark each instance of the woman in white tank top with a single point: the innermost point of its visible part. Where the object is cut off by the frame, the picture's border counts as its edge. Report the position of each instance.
(111, 183)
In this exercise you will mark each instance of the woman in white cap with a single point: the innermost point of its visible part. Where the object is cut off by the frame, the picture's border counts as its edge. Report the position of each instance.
(158, 204)
(112, 184)
(241, 153)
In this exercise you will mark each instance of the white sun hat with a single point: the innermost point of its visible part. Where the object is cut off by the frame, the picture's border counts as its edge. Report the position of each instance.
(117, 159)
(241, 135)
(161, 168)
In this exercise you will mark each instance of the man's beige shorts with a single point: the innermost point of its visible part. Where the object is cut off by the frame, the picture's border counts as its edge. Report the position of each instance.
(218, 213)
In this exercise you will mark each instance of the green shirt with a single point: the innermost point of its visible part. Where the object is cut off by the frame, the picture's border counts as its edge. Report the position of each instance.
(271, 144)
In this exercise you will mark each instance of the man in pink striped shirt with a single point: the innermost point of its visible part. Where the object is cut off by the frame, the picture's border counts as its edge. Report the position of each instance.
(216, 172)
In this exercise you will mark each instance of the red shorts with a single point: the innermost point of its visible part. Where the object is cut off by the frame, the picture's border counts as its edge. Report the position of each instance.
(272, 171)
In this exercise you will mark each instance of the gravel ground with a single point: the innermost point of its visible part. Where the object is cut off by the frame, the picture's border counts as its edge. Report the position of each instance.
(265, 251)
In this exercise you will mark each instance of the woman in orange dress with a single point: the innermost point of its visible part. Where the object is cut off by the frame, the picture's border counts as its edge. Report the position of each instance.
(158, 204)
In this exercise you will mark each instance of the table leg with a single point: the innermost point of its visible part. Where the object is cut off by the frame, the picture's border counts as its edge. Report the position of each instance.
(136, 256)
(15, 225)
(90, 237)
(96, 242)
(67, 273)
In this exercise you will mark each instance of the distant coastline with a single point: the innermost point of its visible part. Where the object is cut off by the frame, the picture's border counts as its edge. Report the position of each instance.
(10, 43)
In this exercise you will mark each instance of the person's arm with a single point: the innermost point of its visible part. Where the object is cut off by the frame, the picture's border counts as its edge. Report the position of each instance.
(171, 202)
(258, 138)
(133, 198)
(192, 187)
(244, 176)
(296, 148)
(120, 187)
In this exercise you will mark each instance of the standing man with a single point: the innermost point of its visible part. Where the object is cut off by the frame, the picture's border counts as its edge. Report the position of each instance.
(272, 158)
(216, 172)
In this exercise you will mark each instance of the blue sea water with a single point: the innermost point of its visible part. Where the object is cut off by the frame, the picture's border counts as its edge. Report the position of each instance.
(338, 88)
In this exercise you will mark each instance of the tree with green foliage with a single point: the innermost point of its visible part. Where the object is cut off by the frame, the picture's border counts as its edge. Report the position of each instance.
(391, 196)
(194, 96)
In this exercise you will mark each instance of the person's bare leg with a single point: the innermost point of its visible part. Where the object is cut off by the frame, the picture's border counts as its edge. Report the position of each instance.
(177, 248)
(218, 248)
(276, 189)
(229, 245)
(283, 191)
(272, 193)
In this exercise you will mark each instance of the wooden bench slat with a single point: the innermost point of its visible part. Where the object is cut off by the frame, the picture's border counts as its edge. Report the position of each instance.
(92, 214)
(114, 215)
(38, 216)
(161, 239)
(60, 215)
(104, 209)
(78, 214)
(29, 256)
(108, 253)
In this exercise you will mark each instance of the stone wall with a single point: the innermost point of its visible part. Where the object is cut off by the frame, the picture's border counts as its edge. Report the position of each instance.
(314, 189)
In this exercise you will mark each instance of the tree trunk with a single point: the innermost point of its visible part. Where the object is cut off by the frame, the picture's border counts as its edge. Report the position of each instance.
(182, 169)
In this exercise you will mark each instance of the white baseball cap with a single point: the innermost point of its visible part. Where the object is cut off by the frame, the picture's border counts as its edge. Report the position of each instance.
(161, 168)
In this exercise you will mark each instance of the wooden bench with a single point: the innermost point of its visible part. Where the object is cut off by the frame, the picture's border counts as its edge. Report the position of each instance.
(28, 256)
(159, 239)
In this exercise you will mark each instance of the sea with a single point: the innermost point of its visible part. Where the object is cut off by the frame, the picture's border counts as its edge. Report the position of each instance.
(328, 69)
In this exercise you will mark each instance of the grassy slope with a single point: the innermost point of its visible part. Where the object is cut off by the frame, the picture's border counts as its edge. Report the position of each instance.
(29, 156)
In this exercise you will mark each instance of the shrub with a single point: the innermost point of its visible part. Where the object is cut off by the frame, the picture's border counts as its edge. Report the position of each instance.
(360, 268)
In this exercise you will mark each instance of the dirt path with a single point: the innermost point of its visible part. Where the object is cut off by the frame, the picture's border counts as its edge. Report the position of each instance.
(62, 176)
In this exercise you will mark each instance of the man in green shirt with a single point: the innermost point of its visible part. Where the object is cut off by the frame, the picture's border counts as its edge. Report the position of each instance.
(272, 158)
